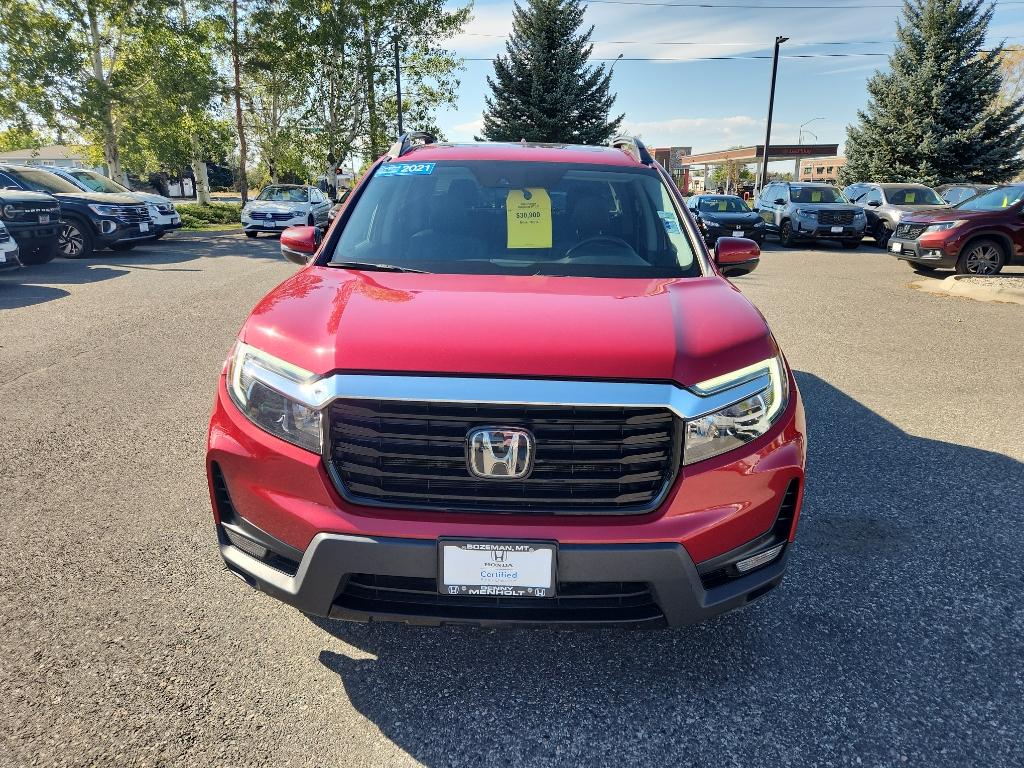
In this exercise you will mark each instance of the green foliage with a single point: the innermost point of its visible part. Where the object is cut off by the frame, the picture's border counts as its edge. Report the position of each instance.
(730, 175)
(20, 137)
(936, 116)
(543, 88)
(214, 213)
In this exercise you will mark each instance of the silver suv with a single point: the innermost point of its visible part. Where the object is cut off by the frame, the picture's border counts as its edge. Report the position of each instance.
(810, 212)
(886, 204)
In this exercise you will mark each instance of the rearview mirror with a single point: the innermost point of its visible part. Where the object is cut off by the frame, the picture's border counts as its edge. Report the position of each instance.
(298, 244)
(735, 256)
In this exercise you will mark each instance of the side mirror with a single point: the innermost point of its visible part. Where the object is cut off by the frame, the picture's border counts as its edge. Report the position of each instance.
(735, 256)
(298, 244)
(779, 201)
(874, 203)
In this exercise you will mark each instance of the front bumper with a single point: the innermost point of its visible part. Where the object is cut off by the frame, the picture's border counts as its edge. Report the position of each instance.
(331, 581)
(162, 223)
(712, 233)
(932, 253)
(9, 258)
(108, 230)
(714, 511)
(265, 225)
(812, 230)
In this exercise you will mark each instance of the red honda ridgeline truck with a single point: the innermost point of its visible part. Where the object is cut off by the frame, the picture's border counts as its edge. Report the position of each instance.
(509, 386)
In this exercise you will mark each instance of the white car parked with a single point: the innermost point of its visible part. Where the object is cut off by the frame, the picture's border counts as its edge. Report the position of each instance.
(161, 210)
(285, 205)
(8, 250)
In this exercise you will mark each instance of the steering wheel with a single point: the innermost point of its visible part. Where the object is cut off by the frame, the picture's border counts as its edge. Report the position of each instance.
(603, 239)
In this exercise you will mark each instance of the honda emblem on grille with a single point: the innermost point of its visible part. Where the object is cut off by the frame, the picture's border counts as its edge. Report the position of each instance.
(499, 453)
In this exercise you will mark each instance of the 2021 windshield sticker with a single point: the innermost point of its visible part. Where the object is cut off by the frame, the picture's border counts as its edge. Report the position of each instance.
(668, 218)
(406, 169)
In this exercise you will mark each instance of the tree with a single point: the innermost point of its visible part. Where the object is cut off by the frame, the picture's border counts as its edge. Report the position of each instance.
(543, 88)
(936, 115)
(730, 175)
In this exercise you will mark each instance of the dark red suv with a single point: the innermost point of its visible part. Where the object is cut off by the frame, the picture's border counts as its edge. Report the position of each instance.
(510, 386)
(979, 236)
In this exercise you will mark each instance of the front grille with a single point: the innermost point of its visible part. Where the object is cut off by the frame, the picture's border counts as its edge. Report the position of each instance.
(826, 216)
(596, 602)
(588, 460)
(909, 231)
(131, 213)
(29, 213)
(261, 216)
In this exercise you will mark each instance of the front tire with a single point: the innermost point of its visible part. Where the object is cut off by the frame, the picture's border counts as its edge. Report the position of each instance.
(121, 246)
(982, 257)
(786, 234)
(158, 235)
(252, 234)
(75, 241)
(882, 234)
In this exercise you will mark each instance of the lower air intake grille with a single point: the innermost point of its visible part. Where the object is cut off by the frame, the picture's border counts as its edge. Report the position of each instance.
(588, 460)
(596, 602)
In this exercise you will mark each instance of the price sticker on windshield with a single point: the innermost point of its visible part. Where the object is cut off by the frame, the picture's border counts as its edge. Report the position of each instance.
(529, 218)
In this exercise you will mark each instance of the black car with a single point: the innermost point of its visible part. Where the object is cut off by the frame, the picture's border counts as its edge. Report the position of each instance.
(725, 216)
(88, 220)
(33, 220)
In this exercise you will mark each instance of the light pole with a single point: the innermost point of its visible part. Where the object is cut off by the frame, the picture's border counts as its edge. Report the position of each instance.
(612, 67)
(398, 86)
(771, 106)
(800, 140)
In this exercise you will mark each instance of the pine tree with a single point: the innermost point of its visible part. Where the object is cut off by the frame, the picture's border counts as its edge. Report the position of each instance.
(936, 115)
(543, 89)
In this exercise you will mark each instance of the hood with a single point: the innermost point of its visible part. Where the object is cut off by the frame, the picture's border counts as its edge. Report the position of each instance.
(19, 196)
(103, 198)
(149, 197)
(907, 210)
(946, 214)
(271, 206)
(687, 330)
(744, 217)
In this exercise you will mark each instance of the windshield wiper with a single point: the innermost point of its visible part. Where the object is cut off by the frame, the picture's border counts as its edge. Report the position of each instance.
(370, 267)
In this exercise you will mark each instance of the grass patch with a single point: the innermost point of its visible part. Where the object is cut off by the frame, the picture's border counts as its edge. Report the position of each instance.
(212, 216)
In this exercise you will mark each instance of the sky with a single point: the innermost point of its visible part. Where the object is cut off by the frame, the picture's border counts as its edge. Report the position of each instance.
(712, 105)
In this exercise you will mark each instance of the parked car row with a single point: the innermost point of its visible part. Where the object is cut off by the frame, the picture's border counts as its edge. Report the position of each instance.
(929, 228)
(75, 212)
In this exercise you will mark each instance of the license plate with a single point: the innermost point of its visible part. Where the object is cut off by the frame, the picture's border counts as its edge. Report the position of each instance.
(896, 247)
(738, 233)
(496, 568)
(143, 227)
(837, 229)
(44, 218)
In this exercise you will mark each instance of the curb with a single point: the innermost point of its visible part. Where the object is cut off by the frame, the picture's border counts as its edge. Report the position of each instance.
(956, 285)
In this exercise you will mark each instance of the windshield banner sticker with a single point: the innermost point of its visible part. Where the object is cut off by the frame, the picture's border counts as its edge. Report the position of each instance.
(529, 218)
(668, 218)
(406, 169)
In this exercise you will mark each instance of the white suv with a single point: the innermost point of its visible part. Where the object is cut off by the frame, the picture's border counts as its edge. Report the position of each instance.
(279, 206)
(8, 250)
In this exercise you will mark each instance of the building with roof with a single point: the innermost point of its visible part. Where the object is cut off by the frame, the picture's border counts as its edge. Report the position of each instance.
(821, 169)
(59, 155)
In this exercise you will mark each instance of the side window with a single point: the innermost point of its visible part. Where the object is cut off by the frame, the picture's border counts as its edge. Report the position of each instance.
(874, 196)
(781, 193)
(7, 181)
(768, 195)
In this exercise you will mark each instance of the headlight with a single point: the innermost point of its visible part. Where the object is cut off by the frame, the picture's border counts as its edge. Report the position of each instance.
(759, 223)
(944, 225)
(809, 212)
(251, 377)
(297, 214)
(104, 210)
(859, 215)
(737, 424)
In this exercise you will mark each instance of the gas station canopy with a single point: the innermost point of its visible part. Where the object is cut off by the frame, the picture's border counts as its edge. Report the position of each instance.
(756, 153)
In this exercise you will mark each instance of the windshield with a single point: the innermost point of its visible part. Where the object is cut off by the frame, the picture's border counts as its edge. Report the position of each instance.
(722, 204)
(284, 194)
(913, 196)
(822, 194)
(41, 181)
(518, 218)
(97, 182)
(994, 199)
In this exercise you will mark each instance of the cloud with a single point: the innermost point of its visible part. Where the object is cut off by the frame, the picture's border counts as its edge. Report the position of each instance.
(704, 134)
(466, 131)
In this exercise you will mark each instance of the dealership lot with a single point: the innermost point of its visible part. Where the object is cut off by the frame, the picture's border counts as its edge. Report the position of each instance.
(895, 638)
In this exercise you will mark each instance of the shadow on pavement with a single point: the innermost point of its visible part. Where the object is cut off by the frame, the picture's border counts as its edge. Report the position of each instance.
(895, 637)
(37, 284)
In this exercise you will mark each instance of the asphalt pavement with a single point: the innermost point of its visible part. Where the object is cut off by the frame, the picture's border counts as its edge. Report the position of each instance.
(896, 638)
